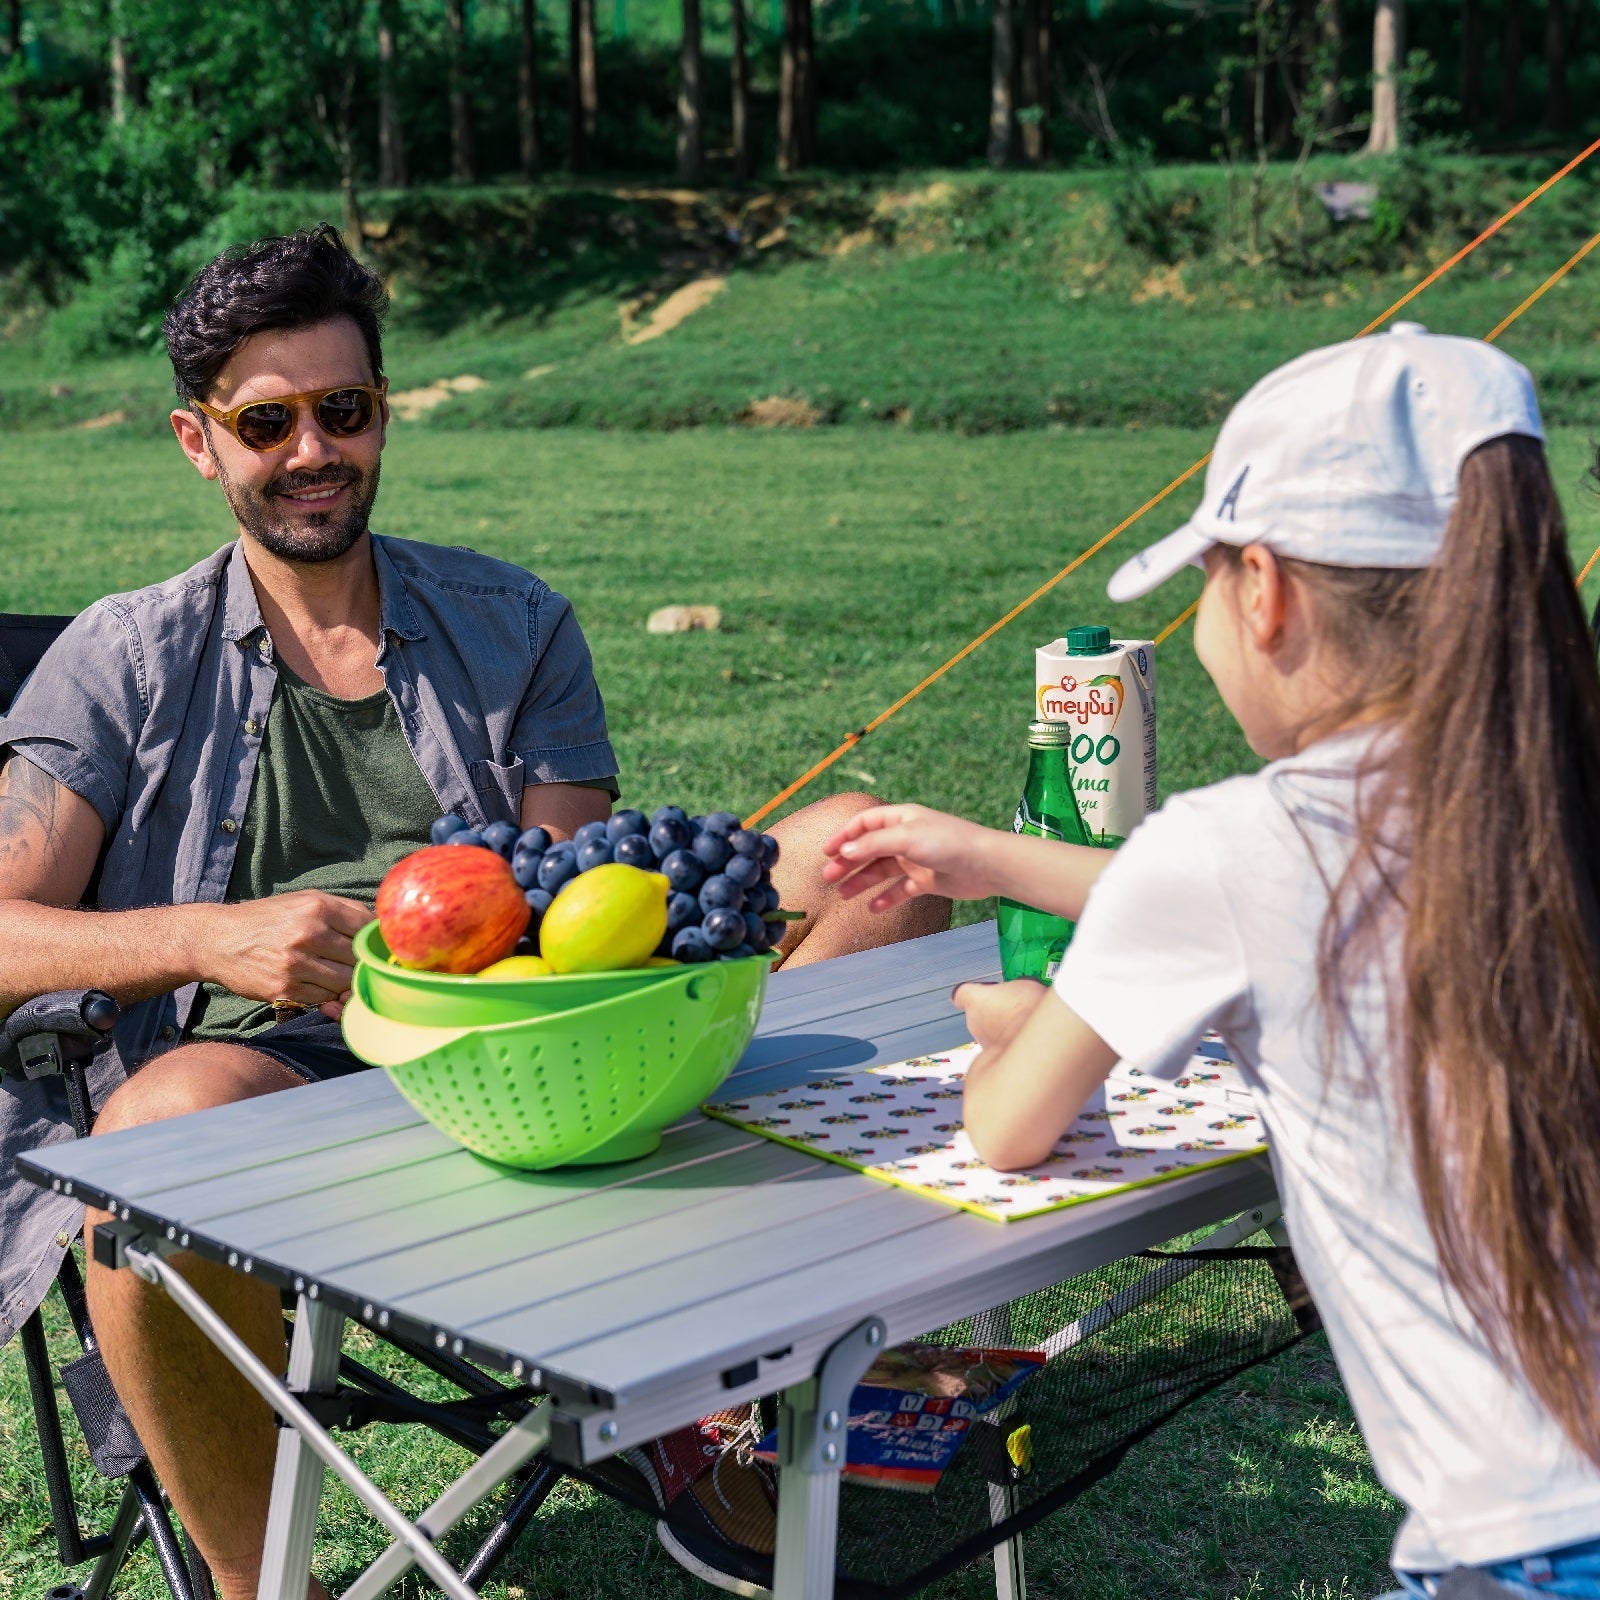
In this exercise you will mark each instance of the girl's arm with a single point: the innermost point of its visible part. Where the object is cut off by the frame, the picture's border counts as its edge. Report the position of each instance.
(899, 852)
(1040, 1064)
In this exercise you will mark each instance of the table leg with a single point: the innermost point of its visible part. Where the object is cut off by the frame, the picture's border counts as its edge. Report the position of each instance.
(813, 1424)
(297, 1473)
(808, 1515)
(512, 1450)
(993, 1327)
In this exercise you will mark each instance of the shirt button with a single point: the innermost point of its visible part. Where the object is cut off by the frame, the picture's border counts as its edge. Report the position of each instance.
(252, 726)
(63, 1241)
(169, 1033)
(229, 825)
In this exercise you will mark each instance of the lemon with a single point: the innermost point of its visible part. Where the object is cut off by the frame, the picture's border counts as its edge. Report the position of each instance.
(517, 967)
(605, 919)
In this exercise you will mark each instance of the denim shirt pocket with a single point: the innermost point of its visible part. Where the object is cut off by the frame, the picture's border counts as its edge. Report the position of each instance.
(499, 786)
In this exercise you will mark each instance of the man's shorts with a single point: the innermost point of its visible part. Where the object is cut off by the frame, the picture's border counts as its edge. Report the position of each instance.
(310, 1046)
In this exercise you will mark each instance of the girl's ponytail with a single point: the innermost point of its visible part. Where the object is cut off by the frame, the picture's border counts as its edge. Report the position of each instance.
(1491, 803)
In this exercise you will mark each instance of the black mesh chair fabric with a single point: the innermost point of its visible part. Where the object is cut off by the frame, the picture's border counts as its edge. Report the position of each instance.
(1191, 1323)
(113, 1445)
(22, 641)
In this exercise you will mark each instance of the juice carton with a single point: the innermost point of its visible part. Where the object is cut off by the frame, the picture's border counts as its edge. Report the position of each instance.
(1106, 689)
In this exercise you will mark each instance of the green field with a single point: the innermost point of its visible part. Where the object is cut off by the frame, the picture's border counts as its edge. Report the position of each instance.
(847, 563)
(987, 376)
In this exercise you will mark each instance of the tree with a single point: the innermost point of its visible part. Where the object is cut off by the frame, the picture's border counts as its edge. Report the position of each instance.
(741, 94)
(463, 149)
(1002, 69)
(1556, 108)
(1471, 85)
(118, 51)
(1510, 64)
(14, 50)
(691, 98)
(583, 90)
(1388, 55)
(528, 90)
(391, 139)
(1036, 80)
(1329, 54)
(797, 89)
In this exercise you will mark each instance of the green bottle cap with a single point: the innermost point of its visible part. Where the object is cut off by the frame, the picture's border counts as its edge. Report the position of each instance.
(1093, 639)
(1050, 735)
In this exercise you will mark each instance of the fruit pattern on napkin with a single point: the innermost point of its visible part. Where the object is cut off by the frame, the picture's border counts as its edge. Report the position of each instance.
(902, 1123)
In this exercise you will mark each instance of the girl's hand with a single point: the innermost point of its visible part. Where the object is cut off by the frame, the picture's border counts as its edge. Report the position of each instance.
(905, 851)
(997, 1011)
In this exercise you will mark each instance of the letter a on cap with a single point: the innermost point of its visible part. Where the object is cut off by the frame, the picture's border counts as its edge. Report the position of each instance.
(1230, 501)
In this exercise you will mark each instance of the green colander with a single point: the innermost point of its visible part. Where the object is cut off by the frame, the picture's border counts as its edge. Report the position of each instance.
(597, 1082)
(457, 999)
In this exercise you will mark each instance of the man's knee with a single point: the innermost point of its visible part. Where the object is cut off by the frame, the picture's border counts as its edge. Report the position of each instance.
(194, 1077)
(802, 834)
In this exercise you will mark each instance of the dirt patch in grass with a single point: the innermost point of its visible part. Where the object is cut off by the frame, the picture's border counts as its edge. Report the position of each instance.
(678, 307)
(781, 411)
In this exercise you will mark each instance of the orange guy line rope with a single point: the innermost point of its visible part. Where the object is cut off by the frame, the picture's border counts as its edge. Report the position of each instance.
(1493, 228)
(1177, 622)
(1549, 283)
(1588, 565)
(851, 740)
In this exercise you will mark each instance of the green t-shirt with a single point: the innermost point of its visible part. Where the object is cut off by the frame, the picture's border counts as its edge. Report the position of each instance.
(336, 800)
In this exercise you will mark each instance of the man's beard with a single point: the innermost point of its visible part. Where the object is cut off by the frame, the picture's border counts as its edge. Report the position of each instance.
(319, 536)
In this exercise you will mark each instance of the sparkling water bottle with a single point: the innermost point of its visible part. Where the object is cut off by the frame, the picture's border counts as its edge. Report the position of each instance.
(1032, 942)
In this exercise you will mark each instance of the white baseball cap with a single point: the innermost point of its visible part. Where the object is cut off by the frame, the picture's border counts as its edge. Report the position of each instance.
(1349, 456)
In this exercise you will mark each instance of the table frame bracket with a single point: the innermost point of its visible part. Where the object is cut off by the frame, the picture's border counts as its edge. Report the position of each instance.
(812, 1426)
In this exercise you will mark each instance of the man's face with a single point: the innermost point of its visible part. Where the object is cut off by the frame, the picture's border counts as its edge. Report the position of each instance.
(310, 500)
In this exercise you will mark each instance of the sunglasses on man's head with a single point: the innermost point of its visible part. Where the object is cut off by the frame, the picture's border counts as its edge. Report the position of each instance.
(263, 425)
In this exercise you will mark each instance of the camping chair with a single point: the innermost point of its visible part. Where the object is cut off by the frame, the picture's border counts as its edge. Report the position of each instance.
(54, 1037)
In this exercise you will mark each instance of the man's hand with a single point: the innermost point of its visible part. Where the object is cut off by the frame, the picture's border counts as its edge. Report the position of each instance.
(997, 1011)
(287, 947)
(903, 851)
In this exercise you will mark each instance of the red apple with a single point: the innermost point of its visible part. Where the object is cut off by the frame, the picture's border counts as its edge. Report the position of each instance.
(451, 909)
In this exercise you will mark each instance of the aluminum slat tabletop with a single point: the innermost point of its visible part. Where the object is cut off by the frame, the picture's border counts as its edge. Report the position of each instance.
(644, 1294)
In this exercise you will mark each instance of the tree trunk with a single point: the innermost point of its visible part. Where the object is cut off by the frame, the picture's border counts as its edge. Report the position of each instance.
(1556, 106)
(1470, 84)
(691, 98)
(577, 144)
(1388, 56)
(741, 95)
(1329, 59)
(797, 102)
(463, 155)
(1510, 64)
(14, 43)
(588, 71)
(1036, 85)
(391, 139)
(1002, 67)
(528, 89)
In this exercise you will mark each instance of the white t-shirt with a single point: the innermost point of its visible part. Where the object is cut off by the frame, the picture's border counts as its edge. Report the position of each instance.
(1209, 918)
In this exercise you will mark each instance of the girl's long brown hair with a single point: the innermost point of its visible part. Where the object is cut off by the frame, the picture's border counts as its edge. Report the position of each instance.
(1480, 828)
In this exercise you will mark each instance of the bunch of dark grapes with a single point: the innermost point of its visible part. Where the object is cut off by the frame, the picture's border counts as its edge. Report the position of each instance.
(721, 903)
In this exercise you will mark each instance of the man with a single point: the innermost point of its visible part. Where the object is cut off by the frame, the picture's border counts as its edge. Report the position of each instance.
(225, 765)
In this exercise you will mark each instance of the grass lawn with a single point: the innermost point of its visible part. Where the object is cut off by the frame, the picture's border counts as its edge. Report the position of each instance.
(847, 563)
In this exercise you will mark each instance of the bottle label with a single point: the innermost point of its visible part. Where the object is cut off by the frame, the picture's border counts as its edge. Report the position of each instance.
(1038, 826)
(1110, 700)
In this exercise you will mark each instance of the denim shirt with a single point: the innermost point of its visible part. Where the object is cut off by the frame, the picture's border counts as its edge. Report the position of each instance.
(152, 705)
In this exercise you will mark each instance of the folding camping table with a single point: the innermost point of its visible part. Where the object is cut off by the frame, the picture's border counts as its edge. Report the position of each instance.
(636, 1297)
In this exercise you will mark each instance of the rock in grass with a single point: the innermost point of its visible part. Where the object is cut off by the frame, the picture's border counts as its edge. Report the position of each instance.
(685, 619)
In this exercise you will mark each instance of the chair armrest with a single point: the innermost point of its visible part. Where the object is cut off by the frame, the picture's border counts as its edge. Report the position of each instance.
(80, 1015)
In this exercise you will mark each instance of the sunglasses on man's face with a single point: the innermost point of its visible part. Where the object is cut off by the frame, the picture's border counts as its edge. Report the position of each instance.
(263, 425)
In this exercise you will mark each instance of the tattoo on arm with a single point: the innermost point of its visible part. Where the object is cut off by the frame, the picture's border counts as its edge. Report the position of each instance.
(29, 798)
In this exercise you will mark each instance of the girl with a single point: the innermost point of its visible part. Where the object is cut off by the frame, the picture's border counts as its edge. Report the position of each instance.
(1395, 925)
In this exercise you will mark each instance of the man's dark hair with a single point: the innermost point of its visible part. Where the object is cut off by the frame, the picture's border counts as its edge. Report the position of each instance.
(291, 281)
